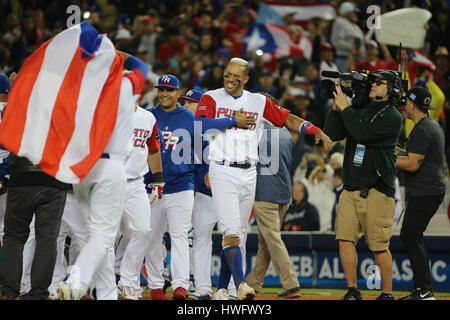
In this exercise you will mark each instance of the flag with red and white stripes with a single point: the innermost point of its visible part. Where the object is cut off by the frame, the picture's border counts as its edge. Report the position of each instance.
(63, 104)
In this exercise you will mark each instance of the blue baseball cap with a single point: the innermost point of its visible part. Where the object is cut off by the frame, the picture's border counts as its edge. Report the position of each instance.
(169, 81)
(193, 95)
(5, 85)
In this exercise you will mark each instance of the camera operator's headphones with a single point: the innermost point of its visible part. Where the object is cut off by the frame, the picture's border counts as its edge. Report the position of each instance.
(394, 86)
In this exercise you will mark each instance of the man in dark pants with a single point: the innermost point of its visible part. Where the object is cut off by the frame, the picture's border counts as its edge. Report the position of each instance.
(424, 186)
(30, 191)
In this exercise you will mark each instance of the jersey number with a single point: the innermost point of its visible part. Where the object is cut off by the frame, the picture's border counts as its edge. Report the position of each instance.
(170, 140)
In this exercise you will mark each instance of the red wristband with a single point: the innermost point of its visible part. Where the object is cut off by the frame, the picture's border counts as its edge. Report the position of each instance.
(311, 129)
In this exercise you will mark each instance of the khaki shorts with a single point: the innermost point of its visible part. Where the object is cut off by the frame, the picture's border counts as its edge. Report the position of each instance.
(372, 216)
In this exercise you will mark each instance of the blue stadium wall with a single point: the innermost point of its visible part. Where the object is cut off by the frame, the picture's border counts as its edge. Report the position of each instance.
(315, 257)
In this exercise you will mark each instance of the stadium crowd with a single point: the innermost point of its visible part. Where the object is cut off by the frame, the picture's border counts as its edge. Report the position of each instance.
(195, 39)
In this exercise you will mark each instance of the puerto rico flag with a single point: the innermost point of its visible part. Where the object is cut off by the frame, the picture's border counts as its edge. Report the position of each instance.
(63, 104)
(269, 38)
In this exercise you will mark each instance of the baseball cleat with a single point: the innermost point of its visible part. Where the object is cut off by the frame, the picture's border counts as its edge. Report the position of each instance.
(290, 294)
(128, 293)
(353, 294)
(220, 294)
(23, 293)
(419, 294)
(66, 293)
(245, 292)
(232, 294)
(199, 294)
(179, 294)
(158, 294)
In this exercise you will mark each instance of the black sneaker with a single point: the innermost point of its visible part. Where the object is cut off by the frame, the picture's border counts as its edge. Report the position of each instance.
(290, 294)
(353, 294)
(385, 296)
(419, 294)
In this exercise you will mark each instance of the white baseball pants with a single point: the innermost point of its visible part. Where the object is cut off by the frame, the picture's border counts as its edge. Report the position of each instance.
(233, 192)
(74, 225)
(203, 221)
(101, 195)
(175, 211)
(135, 229)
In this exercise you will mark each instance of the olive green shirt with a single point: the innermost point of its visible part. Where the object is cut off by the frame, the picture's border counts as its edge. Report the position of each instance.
(377, 127)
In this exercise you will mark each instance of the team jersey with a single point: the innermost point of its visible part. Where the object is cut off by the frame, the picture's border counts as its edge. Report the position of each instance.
(3, 152)
(235, 144)
(145, 140)
(121, 139)
(176, 131)
(201, 169)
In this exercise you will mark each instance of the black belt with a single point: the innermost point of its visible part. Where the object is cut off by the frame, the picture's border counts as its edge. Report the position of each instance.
(245, 165)
(105, 156)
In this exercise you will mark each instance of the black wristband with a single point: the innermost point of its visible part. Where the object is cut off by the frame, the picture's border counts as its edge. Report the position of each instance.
(157, 177)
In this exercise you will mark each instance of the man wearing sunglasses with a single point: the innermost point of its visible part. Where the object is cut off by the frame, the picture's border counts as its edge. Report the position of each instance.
(367, 204)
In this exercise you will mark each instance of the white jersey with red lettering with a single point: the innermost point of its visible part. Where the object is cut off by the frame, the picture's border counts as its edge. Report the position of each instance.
(145, 140)
(236, 144)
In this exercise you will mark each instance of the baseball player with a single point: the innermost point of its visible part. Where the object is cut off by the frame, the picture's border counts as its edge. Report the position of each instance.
(203, 217)
(174, 209)
(101, 194)
(232, 119)
(135, 224)
(5, 86)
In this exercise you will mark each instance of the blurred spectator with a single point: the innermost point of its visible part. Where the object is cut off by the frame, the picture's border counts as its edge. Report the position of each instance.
(186, 31)
(205, 23)
(123, 38)
(233, 33)
(338, 186)
(302, 105)
(346, 35)
(206, 49)
(171, 51)
(371, 62)
(327, 62)
(301, 215)
(442, 73)
(145, 35)
(11, 31)
(319, 185)
(5, 60)
(265, 83)
(439, 28)
(214, 77)
(318, 28)
(29, 40)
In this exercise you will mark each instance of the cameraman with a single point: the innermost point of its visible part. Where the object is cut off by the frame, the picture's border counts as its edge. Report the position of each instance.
(367, 204)
(424, 186)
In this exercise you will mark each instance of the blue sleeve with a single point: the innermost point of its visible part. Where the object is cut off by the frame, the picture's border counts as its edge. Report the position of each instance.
(4, 167)
(219, 124)
(135, 63)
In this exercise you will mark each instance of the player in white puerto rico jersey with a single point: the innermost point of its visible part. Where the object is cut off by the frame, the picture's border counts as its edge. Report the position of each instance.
(101, 195)
(232, 119)
(135, 224)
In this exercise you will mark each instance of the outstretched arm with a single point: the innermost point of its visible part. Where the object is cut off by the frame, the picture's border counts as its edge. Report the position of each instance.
(295, 123)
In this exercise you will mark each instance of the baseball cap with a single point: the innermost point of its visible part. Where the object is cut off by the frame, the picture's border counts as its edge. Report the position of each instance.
(390, 76)
(223, 52)
(325, 46)
(420, 96)
(5, 85)
(168, 80)
(193, 95)
(296, 92)
(123, 34)
(347, 7)
(370, 42)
